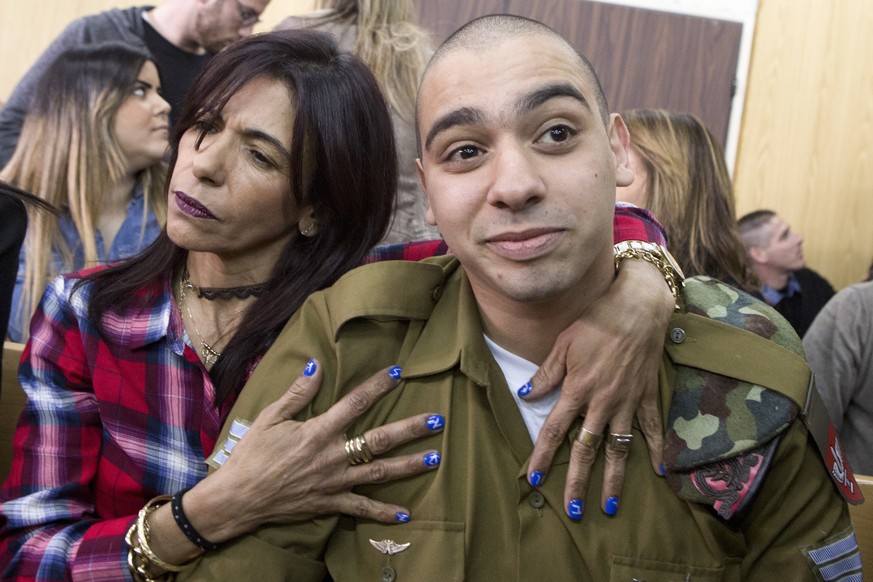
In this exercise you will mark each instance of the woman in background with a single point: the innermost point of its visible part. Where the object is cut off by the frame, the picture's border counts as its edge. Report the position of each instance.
(681, 177)
(92, 145)
(383, 34)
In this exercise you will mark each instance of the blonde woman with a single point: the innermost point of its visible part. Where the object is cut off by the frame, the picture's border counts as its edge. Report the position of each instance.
(681, 177)
(92, 145)
(384, 35)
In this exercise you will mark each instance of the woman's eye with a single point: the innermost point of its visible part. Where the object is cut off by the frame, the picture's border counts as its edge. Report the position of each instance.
(260, 158)
(139, 91)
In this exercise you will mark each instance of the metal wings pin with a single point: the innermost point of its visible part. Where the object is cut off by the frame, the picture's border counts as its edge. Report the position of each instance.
(390, 547)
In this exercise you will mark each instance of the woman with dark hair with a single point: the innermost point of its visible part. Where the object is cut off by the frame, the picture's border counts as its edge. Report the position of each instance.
(385, 35)
(284, 146)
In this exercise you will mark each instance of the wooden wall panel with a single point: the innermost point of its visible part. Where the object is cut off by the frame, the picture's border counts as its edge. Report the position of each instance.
(644, 58)
(806, 145)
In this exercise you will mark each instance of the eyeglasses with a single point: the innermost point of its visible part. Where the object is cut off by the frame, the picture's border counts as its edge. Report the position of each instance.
(247, 16)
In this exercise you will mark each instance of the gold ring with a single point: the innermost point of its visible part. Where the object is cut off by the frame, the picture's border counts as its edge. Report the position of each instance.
(619, 442)
(358, 451)
(589, 439)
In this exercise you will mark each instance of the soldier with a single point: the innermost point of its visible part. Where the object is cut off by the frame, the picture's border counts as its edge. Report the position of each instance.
(520, 161)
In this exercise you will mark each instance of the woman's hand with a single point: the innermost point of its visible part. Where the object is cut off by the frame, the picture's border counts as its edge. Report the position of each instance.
(608, 362)
(283, 470)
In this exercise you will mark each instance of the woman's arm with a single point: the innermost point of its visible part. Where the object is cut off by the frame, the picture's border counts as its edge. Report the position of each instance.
(50, 525)
(288, 471)
(85, 462)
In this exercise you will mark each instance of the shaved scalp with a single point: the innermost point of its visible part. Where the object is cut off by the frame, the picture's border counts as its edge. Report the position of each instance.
(487, 31)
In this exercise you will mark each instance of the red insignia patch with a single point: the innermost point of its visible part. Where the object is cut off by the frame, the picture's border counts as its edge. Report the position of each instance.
(839, 468)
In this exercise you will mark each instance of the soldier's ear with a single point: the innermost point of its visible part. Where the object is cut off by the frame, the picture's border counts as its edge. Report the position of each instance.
(619, 141)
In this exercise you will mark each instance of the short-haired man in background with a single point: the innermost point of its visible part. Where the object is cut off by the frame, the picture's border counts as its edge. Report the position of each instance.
(775, 253)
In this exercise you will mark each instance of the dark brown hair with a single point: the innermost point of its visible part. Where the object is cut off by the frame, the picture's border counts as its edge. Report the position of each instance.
(342, 123)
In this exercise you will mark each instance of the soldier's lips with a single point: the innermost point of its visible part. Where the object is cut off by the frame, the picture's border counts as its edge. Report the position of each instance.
(525, 245)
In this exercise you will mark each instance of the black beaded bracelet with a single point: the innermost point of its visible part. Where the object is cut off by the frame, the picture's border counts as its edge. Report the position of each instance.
(185, 525)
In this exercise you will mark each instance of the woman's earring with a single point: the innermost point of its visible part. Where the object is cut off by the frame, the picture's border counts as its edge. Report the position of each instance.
(309, 230)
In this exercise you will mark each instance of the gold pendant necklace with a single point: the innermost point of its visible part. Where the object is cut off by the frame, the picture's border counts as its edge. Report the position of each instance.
(210, 354)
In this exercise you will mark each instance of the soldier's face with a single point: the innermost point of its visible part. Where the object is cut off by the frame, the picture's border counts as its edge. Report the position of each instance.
(519, 169)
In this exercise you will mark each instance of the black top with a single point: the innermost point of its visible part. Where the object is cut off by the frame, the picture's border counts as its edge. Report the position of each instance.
(177, 68)
(801, 308)
(13, 225)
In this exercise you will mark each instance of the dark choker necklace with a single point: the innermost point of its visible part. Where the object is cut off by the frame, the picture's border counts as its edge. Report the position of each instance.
(213, 293)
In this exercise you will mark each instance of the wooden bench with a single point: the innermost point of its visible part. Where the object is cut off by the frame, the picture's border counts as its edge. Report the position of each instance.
(12, 401)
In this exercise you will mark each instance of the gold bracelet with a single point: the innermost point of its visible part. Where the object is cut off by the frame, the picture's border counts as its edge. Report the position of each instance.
(656, 255)
(140, 556)
(137, 563)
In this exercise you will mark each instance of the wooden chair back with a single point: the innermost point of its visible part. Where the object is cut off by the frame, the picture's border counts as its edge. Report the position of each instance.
(12, 401)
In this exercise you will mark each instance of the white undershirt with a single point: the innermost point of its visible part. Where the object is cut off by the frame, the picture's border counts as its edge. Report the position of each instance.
(517, 372)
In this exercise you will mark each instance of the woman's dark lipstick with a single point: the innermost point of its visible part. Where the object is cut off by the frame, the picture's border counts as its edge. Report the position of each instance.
(190, 206)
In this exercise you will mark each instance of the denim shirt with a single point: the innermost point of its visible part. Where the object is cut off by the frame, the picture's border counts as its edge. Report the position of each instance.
(130, 239)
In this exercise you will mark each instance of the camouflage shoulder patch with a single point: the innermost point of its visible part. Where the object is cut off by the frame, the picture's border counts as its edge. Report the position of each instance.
(729, 402)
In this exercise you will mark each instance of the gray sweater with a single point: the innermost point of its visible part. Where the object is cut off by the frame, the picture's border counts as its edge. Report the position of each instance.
(839, 346)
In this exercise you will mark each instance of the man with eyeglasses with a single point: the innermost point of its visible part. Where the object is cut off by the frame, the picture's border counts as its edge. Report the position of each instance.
(181, 34)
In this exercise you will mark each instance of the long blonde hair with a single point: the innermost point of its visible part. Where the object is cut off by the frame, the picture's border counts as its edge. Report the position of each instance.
(689, 190)
(69, 156)
(389, 41)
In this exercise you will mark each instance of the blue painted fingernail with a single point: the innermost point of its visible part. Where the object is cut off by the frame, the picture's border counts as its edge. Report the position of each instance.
(402, 517)
(435, 422)
(663, 471)
(612, 506)
(574, 510)
(395, 372)
(525, 390)
(536, 478)
(310, 368)
(432, 459)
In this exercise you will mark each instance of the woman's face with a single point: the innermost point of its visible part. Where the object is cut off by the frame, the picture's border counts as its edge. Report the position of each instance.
(637, 192)
(231, 195)
(141, 123)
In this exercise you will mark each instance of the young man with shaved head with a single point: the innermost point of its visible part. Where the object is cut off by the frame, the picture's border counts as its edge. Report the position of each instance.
(520, 161)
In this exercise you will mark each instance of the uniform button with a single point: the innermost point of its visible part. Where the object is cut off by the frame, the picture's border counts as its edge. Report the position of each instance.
(436, 293)
(388, 574)
(677, 335)
(536, 499)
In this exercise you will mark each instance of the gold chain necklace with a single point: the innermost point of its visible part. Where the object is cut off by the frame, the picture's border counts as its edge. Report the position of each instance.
(210, 354)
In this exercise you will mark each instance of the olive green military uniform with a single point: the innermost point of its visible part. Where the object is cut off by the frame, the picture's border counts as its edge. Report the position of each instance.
(476, 517)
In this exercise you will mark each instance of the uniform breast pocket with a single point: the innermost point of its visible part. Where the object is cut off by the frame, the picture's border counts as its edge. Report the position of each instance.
(416, 551)
(636, 570)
